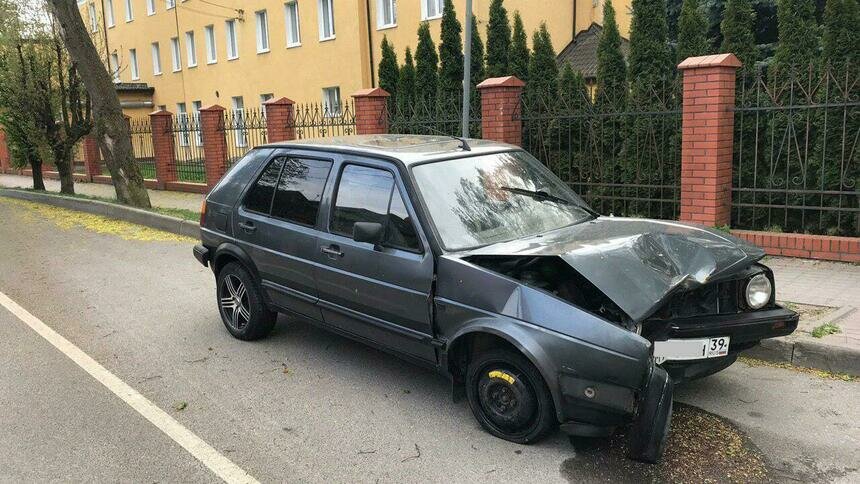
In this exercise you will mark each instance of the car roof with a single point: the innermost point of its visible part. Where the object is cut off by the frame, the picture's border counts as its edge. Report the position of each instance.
(408, 148)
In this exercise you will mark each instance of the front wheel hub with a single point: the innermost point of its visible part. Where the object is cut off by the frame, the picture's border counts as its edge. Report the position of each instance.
(506, 399)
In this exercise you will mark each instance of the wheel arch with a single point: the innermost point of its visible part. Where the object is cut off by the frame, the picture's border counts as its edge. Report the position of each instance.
(226, 253)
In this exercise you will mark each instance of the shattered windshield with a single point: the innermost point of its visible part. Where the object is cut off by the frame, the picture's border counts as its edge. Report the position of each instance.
(486, 199)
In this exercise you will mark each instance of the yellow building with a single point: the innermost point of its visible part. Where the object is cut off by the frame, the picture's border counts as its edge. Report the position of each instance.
(183, 54)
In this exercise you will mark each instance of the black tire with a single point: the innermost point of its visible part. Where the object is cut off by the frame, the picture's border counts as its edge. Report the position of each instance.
(254, 320)
(650, 428)
(509, 397)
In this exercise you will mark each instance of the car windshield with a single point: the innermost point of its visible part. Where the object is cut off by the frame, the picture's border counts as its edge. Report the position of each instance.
(486, 199)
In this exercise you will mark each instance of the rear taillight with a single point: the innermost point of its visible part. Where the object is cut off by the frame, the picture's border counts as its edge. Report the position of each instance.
(203, 212)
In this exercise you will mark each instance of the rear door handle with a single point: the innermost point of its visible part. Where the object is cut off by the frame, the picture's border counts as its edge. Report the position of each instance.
(332, 251)
(247, 226)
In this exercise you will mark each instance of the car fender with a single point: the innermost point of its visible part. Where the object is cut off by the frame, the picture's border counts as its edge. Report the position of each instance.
(231, 249)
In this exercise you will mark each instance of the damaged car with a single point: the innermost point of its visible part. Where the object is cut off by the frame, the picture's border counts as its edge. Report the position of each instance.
(470, 257)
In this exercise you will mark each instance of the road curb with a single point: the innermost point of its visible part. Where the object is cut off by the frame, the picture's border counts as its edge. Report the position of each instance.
(808, 353)
(138, 216)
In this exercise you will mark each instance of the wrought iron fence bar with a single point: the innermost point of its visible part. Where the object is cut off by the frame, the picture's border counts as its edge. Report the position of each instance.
(797, 207)
(797, 107)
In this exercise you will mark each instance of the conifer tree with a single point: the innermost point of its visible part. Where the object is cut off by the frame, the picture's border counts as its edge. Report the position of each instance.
(737, 31)
(426, 68)
(518, 54)
(611, 69)
(650, 64)
(450, 57)
(406, 84)
(841, 39)
(477, 74)
(692, 31)
(543, 69)
(498, 40)
(389, 72)
(571, 89)
(798, 36)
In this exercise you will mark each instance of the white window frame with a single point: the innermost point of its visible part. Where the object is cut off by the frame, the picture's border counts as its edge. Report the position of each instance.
(156, 59)
(94, 21)
(262, 17)
(292, 9)
(190, 49)
(211, 45)
(110, 18)
(175, 54)
(232, 37)
(182, 118)
(428, 5)
(114, 67)
(150, 7)
(132, 62)
(196, 106)
(169, 4)
(266, 96)
(129, 11)
(332, 102)
(323, 16)
(240, 136)
(381, 21)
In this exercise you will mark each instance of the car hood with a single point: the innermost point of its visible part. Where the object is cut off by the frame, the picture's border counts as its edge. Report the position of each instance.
(637, 263)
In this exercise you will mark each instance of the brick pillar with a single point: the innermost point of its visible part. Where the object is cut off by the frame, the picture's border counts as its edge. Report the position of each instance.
(92, 156)
(706, 140)
(214, 143)
(163, 147)
(371, 116)
(500, 101)
(279, 120)
(5, 160)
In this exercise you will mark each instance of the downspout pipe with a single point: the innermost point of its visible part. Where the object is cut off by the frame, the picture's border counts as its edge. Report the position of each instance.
(370, 44)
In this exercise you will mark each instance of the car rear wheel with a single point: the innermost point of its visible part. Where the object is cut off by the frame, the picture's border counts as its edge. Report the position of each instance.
(241, 304)
(509, 397)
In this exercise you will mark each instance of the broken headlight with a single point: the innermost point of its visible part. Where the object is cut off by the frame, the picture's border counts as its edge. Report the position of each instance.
(758, 291)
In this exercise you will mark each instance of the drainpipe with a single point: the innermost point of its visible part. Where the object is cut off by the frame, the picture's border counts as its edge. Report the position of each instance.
(370, 44)
(574, 21)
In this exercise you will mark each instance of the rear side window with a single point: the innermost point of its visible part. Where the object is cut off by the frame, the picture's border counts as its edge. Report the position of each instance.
(300, 189)
(259, 197)
(362, 196)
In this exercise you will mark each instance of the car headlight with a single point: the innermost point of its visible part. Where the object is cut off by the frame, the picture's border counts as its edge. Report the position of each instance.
(758, 291)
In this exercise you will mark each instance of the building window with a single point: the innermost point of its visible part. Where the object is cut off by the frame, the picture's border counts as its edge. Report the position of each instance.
(175, 54)
(331, 101)
(240, 136)
(114, 67)
(191, 49)
(232, 41)
(132, 59)
(129, 11)
(291, 11)
(156, 59)
(150, 7)
(262, 31)
(326, 16)
(182, 119)
(109, 18)
(386, 13)
(170, 4)
(211, 53)
(263, 98)
(94, 21)
(431, 9)
(196, 106)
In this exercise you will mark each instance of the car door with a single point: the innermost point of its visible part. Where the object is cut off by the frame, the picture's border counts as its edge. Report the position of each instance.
(379, 293)
(277, 223)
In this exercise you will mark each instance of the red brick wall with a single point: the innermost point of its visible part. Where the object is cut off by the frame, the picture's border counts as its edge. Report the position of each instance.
(214, 143)
(825, 247)
(163, 146)
(279, 120)
(500, 101)
(371, 116)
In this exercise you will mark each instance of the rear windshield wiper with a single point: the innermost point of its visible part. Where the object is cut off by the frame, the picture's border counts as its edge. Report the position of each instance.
(543, 195)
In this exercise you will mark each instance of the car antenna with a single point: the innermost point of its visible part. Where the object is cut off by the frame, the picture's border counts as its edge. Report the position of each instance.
(463, 144)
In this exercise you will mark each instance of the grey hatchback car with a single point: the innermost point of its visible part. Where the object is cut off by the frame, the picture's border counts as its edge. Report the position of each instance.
(471, 258)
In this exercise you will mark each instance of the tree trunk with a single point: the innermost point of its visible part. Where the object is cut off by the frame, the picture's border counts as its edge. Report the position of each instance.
(111, 130)
(63, 162)
(38, 181)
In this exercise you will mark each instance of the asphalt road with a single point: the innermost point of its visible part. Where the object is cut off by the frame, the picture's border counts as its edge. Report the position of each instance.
(305, 405)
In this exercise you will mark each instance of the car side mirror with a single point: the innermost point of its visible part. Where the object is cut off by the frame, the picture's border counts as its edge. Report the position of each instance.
(370, 232)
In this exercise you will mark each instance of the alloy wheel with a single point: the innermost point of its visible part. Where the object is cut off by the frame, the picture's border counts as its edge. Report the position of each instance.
(233, 298)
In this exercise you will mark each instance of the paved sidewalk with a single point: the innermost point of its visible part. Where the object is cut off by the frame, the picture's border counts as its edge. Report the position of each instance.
(159, 198)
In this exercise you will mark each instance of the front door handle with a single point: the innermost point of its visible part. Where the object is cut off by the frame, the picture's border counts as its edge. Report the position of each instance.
(332, 251)
(247, 226)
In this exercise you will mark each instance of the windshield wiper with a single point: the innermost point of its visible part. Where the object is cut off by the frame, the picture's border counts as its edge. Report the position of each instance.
(543, 195)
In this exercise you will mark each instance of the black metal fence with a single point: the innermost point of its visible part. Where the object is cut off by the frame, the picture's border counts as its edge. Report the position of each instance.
(245, 129)
(141, 145)
(79, 164)
(438, 117)
(317, 120)
(623, 159)
(188, 148)
(796, 163)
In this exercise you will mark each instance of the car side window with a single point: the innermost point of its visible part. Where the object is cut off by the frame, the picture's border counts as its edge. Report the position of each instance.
(300, 189)
(259, 197)
(363, 195)
(401, 231)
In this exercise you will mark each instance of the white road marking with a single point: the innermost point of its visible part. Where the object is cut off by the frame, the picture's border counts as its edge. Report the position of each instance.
(205, 453)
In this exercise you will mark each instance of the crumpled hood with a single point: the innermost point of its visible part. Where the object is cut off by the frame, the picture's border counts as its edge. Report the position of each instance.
(638, 263)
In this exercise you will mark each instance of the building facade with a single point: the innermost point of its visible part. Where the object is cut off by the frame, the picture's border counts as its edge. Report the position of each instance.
(181, 55)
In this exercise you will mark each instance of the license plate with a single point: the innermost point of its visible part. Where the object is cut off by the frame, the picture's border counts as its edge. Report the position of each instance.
(691, 349)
